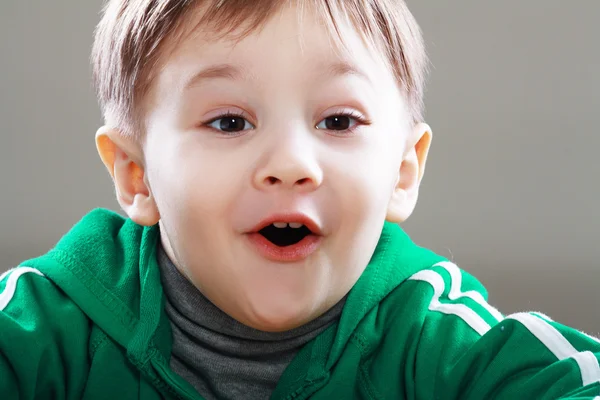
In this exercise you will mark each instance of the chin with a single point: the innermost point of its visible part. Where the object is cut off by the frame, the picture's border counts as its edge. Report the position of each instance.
(278, 301)
(280, 325)
(278, 318)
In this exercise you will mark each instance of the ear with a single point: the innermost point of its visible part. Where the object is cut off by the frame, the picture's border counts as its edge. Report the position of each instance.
(122, 156)
(406, 192)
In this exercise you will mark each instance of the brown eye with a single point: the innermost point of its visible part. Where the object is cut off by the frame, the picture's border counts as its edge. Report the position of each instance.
(231, 124)
(338, 123)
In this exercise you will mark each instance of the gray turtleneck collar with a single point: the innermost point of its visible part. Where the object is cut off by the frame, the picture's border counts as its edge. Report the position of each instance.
(221, 357)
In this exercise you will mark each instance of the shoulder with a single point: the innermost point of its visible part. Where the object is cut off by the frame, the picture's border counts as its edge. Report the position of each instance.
(455, 292)
(444, 295)
(18, 284)
(44, 336)
(33, 308)
(29, 300)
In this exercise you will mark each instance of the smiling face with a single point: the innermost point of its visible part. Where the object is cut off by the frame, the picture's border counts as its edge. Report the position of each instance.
(280, 127)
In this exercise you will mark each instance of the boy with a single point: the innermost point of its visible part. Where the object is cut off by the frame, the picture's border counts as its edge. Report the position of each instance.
(264, 152)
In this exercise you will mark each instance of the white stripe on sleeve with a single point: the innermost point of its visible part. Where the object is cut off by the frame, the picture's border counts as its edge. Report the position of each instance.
(455, 293)
(11, 285)
(473, 319)
(560, 346)
(548, 319)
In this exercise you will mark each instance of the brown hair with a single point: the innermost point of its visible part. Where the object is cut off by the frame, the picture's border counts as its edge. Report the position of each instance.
(132, 33)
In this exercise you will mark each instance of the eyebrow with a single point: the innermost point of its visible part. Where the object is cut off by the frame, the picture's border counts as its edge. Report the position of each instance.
(219, 71)
(232, 72)
(343, 68)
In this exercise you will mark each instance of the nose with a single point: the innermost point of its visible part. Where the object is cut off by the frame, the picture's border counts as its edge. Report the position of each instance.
(289, 165)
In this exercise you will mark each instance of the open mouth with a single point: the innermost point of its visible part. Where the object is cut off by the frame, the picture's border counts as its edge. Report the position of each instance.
(284, 234)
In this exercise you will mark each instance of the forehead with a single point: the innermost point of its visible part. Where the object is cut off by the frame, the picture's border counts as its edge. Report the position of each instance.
(293, 40)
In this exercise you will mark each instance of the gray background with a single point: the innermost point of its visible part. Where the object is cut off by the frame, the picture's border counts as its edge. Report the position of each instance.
(511, 190)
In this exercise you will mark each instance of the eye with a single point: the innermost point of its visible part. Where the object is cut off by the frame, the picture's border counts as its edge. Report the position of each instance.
(230, 124)
(341, 122)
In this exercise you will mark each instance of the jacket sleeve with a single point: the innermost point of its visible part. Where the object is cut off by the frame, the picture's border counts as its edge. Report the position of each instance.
(468, 350)
(43, 339)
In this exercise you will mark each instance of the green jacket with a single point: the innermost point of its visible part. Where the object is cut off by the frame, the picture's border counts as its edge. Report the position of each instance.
(87, 321)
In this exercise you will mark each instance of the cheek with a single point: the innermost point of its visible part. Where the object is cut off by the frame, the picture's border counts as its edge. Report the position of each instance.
(363, 211)
(364, 181)
(362, 188)
(191, 185)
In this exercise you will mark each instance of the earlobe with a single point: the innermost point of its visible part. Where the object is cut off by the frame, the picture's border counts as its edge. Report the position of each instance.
(398, 207)
(406, 191)
(122, 158)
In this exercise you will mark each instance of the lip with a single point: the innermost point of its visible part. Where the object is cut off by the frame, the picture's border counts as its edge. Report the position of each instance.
(289, 218)
(286, 254)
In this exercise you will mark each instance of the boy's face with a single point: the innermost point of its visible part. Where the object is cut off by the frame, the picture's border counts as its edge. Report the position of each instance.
(283, 150)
